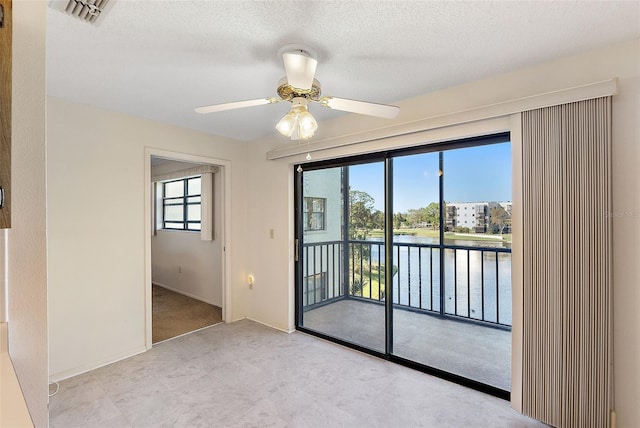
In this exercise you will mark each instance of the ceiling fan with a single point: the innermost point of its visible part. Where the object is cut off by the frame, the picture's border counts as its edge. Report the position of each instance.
(300, 87)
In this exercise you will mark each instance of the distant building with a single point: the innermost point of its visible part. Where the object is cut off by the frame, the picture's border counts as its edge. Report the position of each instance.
(475, 216)
(322, 205)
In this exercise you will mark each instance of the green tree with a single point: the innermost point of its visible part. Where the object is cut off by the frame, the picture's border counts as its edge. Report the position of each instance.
(362, 219)
(399, 220)
(432, 214)
(429, 215)
(499, 219)
(415, 216)
(378, 219)
(361, 214)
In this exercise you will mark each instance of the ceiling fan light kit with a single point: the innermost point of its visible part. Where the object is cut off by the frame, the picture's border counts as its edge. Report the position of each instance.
(298, 124)
(300, 87)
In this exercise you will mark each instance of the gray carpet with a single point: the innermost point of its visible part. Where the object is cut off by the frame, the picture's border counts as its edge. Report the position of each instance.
(247, 375)
(469, 350)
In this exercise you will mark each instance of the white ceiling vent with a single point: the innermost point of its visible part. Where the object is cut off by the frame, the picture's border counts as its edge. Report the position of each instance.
(90, 11)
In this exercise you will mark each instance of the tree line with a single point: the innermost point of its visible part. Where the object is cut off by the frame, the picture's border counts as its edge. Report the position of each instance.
(363, 217)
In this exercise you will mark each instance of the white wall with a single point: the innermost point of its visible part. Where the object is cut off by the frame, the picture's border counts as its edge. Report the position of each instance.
(327, 184)
(96, 228)
(270, 300)
(182, 262)
(27, 263)
(271, 186)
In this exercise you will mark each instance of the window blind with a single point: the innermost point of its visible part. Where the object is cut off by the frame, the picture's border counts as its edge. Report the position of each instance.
(567, 352)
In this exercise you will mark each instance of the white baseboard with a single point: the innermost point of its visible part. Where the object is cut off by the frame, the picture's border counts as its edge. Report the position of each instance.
(284, 330)
(193, 296)
(57, 377)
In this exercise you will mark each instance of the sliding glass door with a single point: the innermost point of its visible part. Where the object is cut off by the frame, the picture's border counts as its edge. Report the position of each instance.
(451, 243)
(416, 257)
(341, 253)
(409, 257)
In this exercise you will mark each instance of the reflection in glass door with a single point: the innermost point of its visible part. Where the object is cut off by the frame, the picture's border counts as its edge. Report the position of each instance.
(341, 253)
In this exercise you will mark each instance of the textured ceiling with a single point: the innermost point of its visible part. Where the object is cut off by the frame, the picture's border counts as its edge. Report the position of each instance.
(160, 59)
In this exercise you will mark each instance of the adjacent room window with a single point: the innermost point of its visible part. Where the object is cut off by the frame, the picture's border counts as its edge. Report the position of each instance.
(314, 213)
(181, 201)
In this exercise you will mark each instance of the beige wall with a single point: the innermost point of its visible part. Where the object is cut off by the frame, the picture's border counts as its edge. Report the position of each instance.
(27, 263)
(270, 259)
(626, 247)
(271, 186)
(96, 229)
(4, 241)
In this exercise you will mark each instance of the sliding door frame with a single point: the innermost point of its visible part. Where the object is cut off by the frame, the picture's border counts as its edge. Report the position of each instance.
(299, 169)
(386, 157)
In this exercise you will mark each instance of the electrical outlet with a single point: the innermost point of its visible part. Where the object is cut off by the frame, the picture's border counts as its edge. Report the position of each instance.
(179, 269)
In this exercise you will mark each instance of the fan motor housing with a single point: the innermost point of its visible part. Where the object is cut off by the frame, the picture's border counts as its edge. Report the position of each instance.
(288, 92)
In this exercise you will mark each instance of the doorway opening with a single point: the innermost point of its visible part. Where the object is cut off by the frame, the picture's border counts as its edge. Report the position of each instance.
(186, 263)
(407, 255)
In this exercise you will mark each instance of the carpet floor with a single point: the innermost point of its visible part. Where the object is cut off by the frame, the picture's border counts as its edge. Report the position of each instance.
(175, 314)
(244, 374)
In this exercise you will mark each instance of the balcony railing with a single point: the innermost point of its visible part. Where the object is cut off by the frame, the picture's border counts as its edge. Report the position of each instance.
(476, 286)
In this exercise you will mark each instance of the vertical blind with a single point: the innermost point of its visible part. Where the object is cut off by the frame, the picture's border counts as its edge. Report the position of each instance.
(567, 264)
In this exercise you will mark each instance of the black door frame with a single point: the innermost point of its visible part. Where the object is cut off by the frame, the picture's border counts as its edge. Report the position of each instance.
(387, 158)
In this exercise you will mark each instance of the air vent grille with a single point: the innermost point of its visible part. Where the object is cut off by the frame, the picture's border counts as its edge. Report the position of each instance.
(90, 11)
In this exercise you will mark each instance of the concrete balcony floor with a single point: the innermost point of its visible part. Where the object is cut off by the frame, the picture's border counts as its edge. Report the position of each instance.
(469, 350)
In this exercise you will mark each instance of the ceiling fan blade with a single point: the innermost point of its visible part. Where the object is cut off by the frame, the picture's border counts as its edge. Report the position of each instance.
(236, 104)
(360, 107)
(300, 68)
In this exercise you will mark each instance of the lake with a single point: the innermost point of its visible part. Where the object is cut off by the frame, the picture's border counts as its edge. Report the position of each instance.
(470, 276)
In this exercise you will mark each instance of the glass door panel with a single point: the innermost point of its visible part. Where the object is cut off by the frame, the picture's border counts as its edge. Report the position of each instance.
(416, 257)
(443, 300)
(454, 314)
(477, 242)
(342, 253)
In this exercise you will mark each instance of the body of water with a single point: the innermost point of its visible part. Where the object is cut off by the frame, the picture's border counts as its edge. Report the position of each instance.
(477, 284)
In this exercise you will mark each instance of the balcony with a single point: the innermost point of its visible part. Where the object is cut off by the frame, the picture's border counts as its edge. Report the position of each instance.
(462, 327)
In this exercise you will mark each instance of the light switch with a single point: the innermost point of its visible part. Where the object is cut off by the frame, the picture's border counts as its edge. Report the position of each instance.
(271, 233)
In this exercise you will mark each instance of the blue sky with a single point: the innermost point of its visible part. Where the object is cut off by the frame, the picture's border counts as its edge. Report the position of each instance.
(471, 174)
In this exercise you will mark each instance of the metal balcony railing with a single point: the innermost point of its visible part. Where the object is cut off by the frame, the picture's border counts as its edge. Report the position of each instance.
(475, 283)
